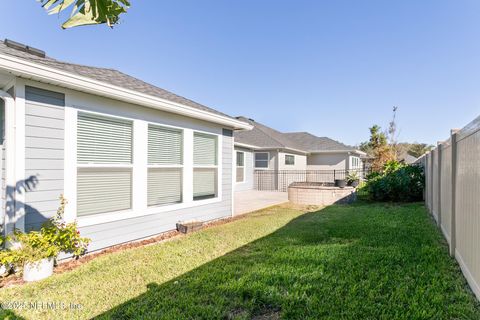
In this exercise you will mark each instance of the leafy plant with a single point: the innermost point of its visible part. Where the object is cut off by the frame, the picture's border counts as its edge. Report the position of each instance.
(54, 236)
(86, 12)
(397, 182)
(352, 177)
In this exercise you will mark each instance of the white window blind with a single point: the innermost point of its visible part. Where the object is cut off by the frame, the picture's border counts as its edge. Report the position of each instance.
(205, 171)
(165, 171)
(240, 172)
(102, 190)
(204, 149)
(204, 183)
(103, 139)
(164, 186)
(165, 145)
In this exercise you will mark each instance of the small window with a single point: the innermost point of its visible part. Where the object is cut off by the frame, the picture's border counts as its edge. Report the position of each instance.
(240, 166)
(205, 168)
(261, 160)
(165, 165)
(289, 160)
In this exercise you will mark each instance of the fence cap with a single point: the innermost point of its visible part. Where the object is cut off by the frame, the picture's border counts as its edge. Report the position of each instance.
(453, 131)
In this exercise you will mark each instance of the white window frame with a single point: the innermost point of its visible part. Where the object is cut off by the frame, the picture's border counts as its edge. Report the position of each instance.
(129, 166)
(217, 166)
(139, 170)
(180, 166)
(237, 166)
(255, 160)
(289, 155)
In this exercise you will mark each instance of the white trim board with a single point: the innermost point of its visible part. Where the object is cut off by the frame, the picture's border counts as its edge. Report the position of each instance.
(42, 73)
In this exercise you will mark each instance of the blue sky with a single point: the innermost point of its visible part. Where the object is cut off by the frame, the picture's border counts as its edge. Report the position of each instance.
(333, 68)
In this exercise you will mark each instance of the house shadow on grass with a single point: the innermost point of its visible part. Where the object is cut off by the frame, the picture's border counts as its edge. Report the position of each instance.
(344, 262)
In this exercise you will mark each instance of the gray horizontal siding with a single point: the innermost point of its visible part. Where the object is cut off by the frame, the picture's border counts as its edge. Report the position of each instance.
(44, 153)
(108, 234)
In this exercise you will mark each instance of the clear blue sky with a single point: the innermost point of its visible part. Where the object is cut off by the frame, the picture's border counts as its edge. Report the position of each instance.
(333, 68)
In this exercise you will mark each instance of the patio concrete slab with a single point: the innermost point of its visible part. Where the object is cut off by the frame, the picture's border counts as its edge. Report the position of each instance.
(252, 200)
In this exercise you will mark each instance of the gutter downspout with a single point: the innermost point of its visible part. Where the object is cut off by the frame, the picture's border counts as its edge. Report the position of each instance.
(7, 216)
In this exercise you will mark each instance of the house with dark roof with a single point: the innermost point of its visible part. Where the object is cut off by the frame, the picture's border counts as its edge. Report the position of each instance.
(132, 159)
(264, 148)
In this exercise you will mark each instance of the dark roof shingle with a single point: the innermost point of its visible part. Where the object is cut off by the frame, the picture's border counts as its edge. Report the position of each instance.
(312, 143)
(110, 76)
(265, 137)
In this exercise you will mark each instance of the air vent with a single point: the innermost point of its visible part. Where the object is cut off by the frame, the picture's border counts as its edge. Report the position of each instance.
(36, 52)
(15, 45)
(22, 47)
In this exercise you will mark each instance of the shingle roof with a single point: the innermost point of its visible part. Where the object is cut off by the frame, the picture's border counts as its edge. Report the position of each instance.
(107, 75)
(264, 137)
(312, 143)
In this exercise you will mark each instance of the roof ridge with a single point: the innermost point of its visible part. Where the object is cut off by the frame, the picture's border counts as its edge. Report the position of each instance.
(269, 135)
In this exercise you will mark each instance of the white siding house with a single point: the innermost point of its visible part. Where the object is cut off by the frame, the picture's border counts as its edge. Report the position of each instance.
(131, 159)
(292, 156)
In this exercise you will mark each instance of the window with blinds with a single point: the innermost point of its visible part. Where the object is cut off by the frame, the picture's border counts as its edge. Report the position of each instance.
(205, 166)
(165, 161)
(103, 141)
(240, 170)
(101, 190)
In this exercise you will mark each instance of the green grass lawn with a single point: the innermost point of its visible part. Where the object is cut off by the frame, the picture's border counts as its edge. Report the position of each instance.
(365, 261)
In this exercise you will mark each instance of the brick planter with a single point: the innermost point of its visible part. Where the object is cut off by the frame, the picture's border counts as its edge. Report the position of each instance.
(191, 226)
(306, 193)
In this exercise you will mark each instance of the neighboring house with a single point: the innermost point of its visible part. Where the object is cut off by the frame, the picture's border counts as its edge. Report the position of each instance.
(132, 159)
(269, 150)
(408, 159)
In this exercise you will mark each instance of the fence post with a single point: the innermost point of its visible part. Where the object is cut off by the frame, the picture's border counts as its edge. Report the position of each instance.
(431, 172)
(439, 198)
(453, 231)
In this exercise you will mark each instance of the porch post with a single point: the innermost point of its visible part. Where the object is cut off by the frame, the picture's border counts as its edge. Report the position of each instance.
(20, 155)
(8, 216)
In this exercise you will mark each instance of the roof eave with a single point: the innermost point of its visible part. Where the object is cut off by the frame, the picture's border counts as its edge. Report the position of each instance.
(338, 151)
(26, 69)
(253, 147)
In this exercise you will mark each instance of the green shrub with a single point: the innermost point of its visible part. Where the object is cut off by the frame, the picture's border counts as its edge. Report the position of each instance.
(55, 236)
(397, 182)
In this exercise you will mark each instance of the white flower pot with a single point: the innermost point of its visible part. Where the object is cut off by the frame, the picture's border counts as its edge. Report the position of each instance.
(3, 270)
(38, 270)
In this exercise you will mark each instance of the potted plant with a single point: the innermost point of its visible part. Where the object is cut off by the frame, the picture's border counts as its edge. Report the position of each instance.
(353, 179)
(8, 258)
(341, 183)
(36, 255)
(36, 250)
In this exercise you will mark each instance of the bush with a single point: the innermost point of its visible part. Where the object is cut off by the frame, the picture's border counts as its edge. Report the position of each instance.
(397, 182)
(55, 236)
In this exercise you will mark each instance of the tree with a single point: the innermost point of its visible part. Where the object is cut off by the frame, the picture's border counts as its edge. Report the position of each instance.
(87, 12)
(378, 148)
(418, 149)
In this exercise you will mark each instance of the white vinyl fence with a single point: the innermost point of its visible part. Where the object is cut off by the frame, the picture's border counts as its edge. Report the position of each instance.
(452, 195)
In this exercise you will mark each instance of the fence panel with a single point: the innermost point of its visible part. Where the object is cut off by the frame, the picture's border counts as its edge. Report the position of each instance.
(446, 189)
(452, 196)
(467, 210)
